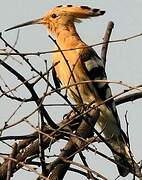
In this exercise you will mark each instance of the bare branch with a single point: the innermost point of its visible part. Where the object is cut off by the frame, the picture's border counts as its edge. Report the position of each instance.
(106, 40)
(93, 45)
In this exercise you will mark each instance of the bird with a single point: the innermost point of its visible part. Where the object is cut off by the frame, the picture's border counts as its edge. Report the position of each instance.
(79, 62)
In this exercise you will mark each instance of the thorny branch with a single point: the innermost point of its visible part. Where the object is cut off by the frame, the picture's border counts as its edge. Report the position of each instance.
(93, 45)
(77, 128)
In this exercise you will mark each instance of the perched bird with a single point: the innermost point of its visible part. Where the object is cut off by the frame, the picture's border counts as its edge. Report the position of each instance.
(83, 64)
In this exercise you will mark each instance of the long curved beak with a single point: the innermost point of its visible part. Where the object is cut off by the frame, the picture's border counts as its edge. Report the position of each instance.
(36, 21)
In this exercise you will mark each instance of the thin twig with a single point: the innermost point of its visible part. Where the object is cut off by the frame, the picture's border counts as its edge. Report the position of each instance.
(71, 49)
(23, 164)
(84, 167)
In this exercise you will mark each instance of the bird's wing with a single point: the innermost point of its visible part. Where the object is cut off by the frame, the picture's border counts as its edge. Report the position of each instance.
(95, 70)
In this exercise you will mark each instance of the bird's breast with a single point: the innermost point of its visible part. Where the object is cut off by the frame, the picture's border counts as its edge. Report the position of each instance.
(70, 72)
(66, 67)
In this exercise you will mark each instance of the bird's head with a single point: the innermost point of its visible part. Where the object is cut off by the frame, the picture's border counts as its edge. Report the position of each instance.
(63, 16)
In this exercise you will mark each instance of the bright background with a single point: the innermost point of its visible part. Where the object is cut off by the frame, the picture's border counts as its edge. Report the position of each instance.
(124, 62)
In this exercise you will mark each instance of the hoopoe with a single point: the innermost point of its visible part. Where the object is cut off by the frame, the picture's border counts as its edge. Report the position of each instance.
(83, 64)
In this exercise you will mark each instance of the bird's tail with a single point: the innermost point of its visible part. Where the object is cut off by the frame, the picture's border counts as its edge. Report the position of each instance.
(118, 142)
(125, 160)
(123, 164)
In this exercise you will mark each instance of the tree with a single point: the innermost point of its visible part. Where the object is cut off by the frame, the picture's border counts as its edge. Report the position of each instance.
(73, 129)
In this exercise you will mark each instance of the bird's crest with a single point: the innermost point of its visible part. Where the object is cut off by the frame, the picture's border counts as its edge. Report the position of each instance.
(78, 11)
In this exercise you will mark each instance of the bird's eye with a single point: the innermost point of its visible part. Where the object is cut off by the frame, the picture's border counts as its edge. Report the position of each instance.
(53, 15)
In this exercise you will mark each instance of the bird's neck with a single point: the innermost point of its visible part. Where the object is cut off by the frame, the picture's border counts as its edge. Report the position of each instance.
(67, 37)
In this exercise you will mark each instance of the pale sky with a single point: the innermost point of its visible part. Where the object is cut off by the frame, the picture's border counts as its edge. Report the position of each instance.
(124, 62)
